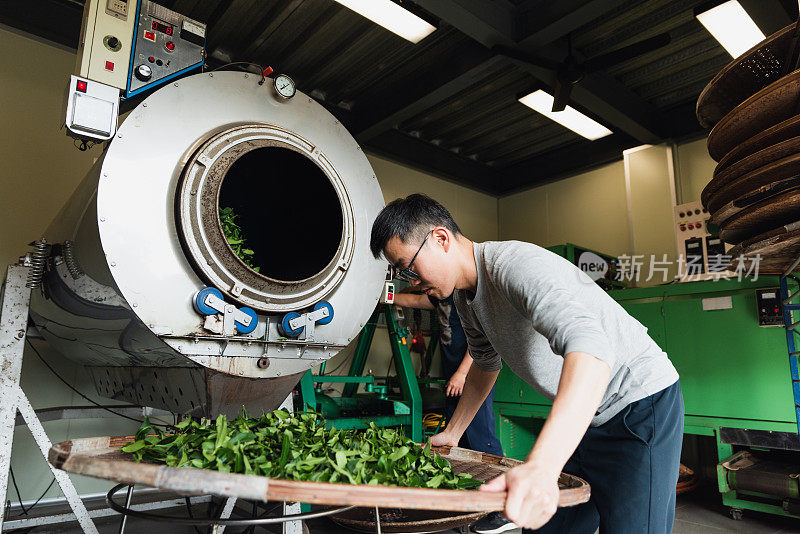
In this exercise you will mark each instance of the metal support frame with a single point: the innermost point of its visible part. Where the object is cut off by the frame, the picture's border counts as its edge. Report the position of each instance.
(361, 353)
(61, 518)
(219, 523)
(409, 387)
(788, 307)
(13, 327)
(405, 371)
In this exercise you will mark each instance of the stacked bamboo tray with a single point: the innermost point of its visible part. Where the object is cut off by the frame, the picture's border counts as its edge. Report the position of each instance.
(753, 109)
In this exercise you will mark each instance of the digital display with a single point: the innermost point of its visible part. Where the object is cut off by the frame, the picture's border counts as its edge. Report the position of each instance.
(163, 28)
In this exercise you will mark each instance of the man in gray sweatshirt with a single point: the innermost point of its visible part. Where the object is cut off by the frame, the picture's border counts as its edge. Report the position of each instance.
(617, 415)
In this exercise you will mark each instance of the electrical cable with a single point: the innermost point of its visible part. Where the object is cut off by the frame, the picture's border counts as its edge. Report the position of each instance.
(191, 515)
(16, 488)
(262, 70)
(43, 494)
(57, 375)
(26, 511)
(348, 359)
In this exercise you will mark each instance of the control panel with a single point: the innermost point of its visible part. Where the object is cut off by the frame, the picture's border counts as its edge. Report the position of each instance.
(387, 297)
(770, 310)
(117, 8)
(126, 47)
(703, 253)
(104, 46)
(167, 44)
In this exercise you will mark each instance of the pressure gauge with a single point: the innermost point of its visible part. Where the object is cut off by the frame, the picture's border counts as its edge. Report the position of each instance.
(284, 86)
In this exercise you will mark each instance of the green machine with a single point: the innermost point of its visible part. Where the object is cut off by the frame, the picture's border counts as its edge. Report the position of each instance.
(376, 404)
(727, 341)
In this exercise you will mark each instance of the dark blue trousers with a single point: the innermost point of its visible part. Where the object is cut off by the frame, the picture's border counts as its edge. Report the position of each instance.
(631, 463)
(479, 435)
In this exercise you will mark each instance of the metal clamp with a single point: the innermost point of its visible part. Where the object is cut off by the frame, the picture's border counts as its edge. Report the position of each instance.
(294, 324)
(221, 317)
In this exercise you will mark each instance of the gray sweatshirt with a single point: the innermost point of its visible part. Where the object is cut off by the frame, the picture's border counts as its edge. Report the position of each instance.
(533, 307)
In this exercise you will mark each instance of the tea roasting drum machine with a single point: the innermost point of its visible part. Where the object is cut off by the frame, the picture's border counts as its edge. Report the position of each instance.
(139, 283)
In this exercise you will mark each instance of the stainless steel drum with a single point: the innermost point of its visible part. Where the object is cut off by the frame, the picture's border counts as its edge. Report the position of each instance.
(140, 246)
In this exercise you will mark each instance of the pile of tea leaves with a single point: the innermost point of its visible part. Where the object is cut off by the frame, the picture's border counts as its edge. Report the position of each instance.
(298, 447)
(235, 237)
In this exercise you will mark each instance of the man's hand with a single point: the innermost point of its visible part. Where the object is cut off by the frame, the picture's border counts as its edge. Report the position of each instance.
(444, 438)
(532, 494)
(455, 386)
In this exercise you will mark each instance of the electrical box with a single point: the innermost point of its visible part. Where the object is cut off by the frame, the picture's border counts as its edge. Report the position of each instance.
(92, 109)
(127, 46)
(106, 41)
(770, 308)
(704, 253)
(134, 46)
(388, 293)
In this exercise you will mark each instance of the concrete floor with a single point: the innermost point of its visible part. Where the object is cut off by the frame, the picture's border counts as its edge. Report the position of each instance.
(699, 512)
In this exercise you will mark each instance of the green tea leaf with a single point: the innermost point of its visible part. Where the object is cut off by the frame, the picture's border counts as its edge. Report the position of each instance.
(298, 447)
(399, 453)
(133, 447)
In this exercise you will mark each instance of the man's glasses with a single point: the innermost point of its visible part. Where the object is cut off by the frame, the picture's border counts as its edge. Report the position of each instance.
(407, 274)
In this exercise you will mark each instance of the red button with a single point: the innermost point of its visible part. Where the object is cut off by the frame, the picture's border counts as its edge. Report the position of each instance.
(683, 228)
(698, 225)
(170, 46)
(389, 295)
(691, 227)
(150, 36)
(109, 65)
(151, 59)
(81, 86)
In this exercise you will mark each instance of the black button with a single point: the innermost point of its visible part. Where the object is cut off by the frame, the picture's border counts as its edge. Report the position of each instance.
(159, 62)
(113, 42)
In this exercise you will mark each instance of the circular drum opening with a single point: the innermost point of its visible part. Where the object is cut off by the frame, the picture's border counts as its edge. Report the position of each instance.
(288, 211)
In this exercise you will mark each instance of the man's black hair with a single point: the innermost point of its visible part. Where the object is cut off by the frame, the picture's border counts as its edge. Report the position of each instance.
(408, 219)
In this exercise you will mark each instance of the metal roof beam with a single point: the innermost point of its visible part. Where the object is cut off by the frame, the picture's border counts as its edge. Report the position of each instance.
(615, 105)
(436, 85)
(426, 157)
(548, 21)
(562, 162)
(489, 23)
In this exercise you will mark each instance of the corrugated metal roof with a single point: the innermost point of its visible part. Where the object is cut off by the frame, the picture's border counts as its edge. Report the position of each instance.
(357, 68)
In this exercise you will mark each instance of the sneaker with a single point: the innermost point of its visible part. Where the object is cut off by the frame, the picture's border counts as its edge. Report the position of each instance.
(494, 523)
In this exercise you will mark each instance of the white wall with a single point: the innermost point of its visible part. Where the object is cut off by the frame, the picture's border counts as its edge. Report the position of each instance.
(591, 209)
(694, 170)
(588, 210)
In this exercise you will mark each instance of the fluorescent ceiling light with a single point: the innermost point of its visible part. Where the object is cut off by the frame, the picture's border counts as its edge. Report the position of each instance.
(392, 17)
(570, 117)
(730, 24)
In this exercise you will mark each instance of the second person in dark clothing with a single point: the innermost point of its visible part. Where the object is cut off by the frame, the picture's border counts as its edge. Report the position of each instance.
(456, 363)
